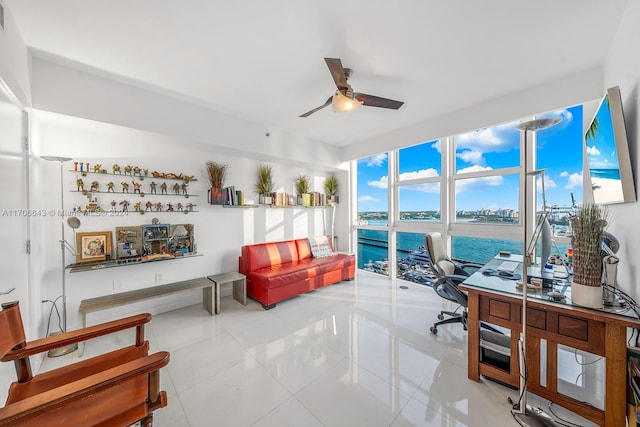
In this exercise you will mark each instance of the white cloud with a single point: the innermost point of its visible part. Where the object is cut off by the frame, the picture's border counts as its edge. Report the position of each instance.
(423, 173)
(593, 150)
(377, 160)
(548, 183)
(463, 185)
(471, 156)
(575, 181)
(367, 199)
(475, 168)
(437, 146)
(431, 188)
(564, 173)
(383, 182)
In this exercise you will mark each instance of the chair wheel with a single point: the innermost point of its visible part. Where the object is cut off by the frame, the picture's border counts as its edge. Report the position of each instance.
(434, 330)
(440, 316)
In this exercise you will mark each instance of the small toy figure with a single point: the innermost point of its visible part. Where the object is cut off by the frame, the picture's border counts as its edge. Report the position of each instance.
(96, 168)
(145, 172)
(184, 189)
(148, 206)
(110, 185)
(179, 207)
(153, 186)
(93, 205)
(75, 166)
(190, 206)
(87, 169)
(158, 207)
(116, 168)
(125, 187)
(136, 170)
(176, 188)
(137, 207)
(188, 178)
(125, 205)
(156, 174)
(136, 187)
(113, 205)
(95, 185)
(80, 184)
(163, 188)
(127, 170)
(169, 207)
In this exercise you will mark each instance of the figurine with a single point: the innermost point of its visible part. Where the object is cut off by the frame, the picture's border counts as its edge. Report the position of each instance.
(169, 207)
(116, 168)
(113, 205)
(179, 206)
(153, 186)
(127, 170)
(137, 207)
(184, 189)
(87, 169)
(93, 205)
(148, 206)
(80, 184)
(125, 187)
(136, 170)
(163, 188)
(188, 178)
(176, 188)
(95, 185)
(96, 168)
(145, 172)
(190, 206)
(158, 207)
(125, 205)
(156, 174)
(75, 166)
(110, 185)
(136, 187)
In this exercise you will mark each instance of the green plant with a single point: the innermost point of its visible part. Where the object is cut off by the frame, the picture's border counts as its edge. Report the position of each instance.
(264, 184)
(302, 184)
(217, 172)
(331, 185)
(587, 226)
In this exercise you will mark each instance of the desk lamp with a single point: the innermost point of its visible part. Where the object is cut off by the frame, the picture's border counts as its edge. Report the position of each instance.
(523, 414)
(63, 247)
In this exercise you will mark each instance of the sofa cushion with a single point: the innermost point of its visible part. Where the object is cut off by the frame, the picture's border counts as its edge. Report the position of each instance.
(284, 274)
(263, 255)
(320, 246)
(335, 262)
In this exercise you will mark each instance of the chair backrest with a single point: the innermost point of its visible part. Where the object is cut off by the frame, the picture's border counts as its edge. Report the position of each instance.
(441, 263)
(12, 328)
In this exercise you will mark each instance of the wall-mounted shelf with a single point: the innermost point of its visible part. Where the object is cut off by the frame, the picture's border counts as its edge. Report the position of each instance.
(76, 268)
(140, 177)
(238, 206)
(141, 194)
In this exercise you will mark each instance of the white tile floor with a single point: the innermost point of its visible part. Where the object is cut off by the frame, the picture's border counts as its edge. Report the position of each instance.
(356, 353)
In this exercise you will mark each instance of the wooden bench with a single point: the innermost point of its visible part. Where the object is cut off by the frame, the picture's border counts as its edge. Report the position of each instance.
(114, 300)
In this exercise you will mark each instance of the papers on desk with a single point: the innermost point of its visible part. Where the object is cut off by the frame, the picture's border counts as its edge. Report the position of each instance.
(509, 266)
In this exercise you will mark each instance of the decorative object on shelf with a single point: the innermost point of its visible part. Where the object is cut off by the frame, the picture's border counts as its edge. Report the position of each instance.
(93, 246)
(302, 189)
(217, 173)
(116, 169)
(264, 185)
(587, 226)
(331, 189)
(125, 187)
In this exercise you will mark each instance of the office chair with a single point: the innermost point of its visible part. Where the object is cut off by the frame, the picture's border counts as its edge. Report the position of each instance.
(449, 275)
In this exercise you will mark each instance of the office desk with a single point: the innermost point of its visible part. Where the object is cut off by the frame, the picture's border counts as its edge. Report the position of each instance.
(497, 301)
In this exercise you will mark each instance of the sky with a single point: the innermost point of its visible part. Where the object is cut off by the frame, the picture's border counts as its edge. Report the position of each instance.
(602, 149)
(559, 152)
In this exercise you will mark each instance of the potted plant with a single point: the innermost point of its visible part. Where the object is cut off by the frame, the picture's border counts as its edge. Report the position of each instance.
(587, 226)
(264, 185)
(216, 173)
(302, 188)
(331, 189)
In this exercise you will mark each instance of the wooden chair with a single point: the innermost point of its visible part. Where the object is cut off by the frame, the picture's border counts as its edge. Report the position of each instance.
(118, 388)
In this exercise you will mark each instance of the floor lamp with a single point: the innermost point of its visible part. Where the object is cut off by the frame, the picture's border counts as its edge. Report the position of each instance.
(63, 248)
(523, 414)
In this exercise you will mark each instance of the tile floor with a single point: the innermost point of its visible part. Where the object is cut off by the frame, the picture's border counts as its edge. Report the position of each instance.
(356, 353)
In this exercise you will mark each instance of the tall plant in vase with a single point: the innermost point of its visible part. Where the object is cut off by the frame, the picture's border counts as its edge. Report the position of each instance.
(302, 188)
(217, 173)
(587, 226)
(331, 189)
(264, 184)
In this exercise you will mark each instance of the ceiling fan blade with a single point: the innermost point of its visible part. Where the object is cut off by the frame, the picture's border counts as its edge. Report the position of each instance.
(337, 72)
(308, 113)
(376, 101)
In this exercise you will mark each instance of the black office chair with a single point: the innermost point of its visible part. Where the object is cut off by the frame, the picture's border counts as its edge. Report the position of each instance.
(449, 275)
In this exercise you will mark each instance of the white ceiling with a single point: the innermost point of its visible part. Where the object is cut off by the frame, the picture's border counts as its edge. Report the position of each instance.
(263, 60)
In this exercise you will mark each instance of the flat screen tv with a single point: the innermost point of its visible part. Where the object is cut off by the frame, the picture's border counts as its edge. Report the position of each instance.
(608, 153)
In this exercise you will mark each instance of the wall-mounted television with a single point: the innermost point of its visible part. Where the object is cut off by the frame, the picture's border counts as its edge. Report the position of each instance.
(608, 153)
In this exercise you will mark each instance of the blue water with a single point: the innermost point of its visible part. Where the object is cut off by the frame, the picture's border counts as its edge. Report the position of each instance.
(373, 244)
(605, 173)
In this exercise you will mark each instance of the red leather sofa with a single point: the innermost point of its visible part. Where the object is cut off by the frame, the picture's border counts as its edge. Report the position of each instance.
(276, 271)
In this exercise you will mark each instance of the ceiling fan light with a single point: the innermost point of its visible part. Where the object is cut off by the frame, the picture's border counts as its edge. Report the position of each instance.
(342, 103)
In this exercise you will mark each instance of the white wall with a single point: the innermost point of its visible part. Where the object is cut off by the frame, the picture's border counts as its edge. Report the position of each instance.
(219, 232)
(622, 68)
(14, 59)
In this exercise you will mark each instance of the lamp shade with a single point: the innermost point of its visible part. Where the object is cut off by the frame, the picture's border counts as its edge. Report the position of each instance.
(342, 103)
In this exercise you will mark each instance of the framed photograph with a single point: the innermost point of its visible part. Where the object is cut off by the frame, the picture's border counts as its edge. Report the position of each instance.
(93, 246)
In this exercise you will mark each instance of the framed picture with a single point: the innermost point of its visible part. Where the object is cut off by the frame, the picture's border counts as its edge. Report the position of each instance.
(93, 246)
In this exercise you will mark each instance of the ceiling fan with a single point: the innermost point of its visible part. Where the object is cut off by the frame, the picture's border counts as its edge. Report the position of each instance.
(345, 99)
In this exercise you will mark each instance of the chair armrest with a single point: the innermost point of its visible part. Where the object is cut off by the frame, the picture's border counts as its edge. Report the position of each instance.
(47, 402)
(56, 341)
(453, 278)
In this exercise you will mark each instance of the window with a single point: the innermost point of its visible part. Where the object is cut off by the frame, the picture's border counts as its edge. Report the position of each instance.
(373, 183)
(419, 182)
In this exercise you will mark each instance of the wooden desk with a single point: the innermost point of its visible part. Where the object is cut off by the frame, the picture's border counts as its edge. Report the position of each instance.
(497, 301)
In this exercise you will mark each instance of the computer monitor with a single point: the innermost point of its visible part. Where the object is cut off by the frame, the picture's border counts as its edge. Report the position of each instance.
(541, 233)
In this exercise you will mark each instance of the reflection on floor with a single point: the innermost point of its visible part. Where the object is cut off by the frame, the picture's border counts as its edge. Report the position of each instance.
(357, 353)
